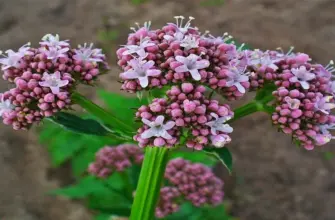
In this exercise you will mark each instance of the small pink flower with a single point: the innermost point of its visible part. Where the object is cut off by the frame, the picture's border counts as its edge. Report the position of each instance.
(219, 124)
(191, 64)
(54, 53)
(302, 76)
(292, 103)
(53, 81)
(157, 128)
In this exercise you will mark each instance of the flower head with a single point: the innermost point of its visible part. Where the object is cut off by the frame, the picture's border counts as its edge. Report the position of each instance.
(323, 104)
(302, 76)
(157, 128)
(5, 105)
(260, 59)
(87, 54)
(141, 70)
(53, 41)
(292, 103)
(189, 42)
(53, 81)
(191, 64)
(138, 49)
(219, 124)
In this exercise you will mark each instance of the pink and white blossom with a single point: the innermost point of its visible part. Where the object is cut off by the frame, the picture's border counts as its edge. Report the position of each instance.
(157, 128)
(53, 41)
(302, 76)
(53, 81)
(192, 64)
(5, 105)
(218, 124)
(292, 103)
(54, 53)
(86, 53)
(323, 104)
(138, 49)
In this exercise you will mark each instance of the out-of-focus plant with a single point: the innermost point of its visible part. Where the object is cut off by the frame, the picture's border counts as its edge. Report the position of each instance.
(174, 72)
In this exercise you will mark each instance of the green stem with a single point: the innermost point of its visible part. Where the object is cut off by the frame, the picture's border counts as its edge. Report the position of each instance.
(247, 109)
(150, 180)
(100, 113)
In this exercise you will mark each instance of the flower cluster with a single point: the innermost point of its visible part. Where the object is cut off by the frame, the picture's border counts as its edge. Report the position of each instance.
(185, 181)
(115, 159)
(44, 78)
(187, 113)
(180, 53)
(304, 94)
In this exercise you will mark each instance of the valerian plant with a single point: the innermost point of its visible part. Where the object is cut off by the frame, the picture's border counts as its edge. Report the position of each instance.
(174, 70)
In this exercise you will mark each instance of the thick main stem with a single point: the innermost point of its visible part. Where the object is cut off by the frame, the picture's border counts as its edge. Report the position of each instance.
(150, 180)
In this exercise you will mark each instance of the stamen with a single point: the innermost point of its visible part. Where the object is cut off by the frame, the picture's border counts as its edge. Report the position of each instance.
(290, 51)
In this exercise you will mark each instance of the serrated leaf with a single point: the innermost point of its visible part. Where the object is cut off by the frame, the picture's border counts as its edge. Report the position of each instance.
(77, 124)
(223, 155)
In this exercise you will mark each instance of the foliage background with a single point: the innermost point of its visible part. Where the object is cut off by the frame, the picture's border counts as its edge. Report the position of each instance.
(274, 179)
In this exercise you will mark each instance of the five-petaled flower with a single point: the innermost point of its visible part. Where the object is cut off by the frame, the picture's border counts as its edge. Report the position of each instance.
(53, 81)
(219, 124)
(260, 59)
(5, 105)
(179, 24)
(138, 49)
(13, 58)
(157, 128)
(87, 54)
(236, 76)
(53, 41)
(141, 70)
(54, 53)
(302, 76)
(191, 64)
(323, 104)
(292, 103)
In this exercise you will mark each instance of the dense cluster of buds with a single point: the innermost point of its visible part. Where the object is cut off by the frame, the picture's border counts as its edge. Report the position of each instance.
(115, 159)
(44, 78)
(179, 53)
(185, 181)
(186, 107)
(304, 94)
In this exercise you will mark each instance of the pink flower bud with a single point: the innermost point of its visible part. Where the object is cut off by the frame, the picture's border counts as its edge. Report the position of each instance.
(49, 97)
(189, 106)
(187, 87)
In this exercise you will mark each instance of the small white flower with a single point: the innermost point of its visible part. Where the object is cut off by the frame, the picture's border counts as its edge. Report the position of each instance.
(87, 54)
(259, 59)
(292, 103)
(236, 76)
(53, 81)
(189, 42)
(53, 41)
(13, 58)
(219, 124)
(138, 49)
(5, 105)
(157, 128)
(54, 53)
(141, 70)
(323, 104)
(178, 36)
(191, 64)
(302, 75)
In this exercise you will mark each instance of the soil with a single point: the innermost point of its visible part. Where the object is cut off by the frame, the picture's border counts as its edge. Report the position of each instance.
(274, 179)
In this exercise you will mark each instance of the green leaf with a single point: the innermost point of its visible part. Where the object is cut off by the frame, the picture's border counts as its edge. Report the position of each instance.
(215, 213)
(110, 202)
(223, 155)
(77, 124)
(85, 187)
(134, 174)
(122, 107)
(194, 156)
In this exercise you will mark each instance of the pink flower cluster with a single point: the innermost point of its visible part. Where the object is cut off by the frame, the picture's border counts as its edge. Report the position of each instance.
(188, 181)
(44, 79)
(304, 96)
(179, 53)
(115, 159)
(185, 114)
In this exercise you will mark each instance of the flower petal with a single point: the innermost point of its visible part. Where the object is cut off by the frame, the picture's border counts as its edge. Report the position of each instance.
(304, 84)
(159, 120)
(148, 133)
(169, 125)
(130, 74)
(166, 135)
(63, 83)
(195, 74)
(153, 72)
(54, 90)
(202, 64)
(148, 64)
(213, 131)
(144, 81)
(181, 69)
(141, 52)
(225, 128)
(44, 84)
(181, 59)
(146, 121)
(239, 87)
